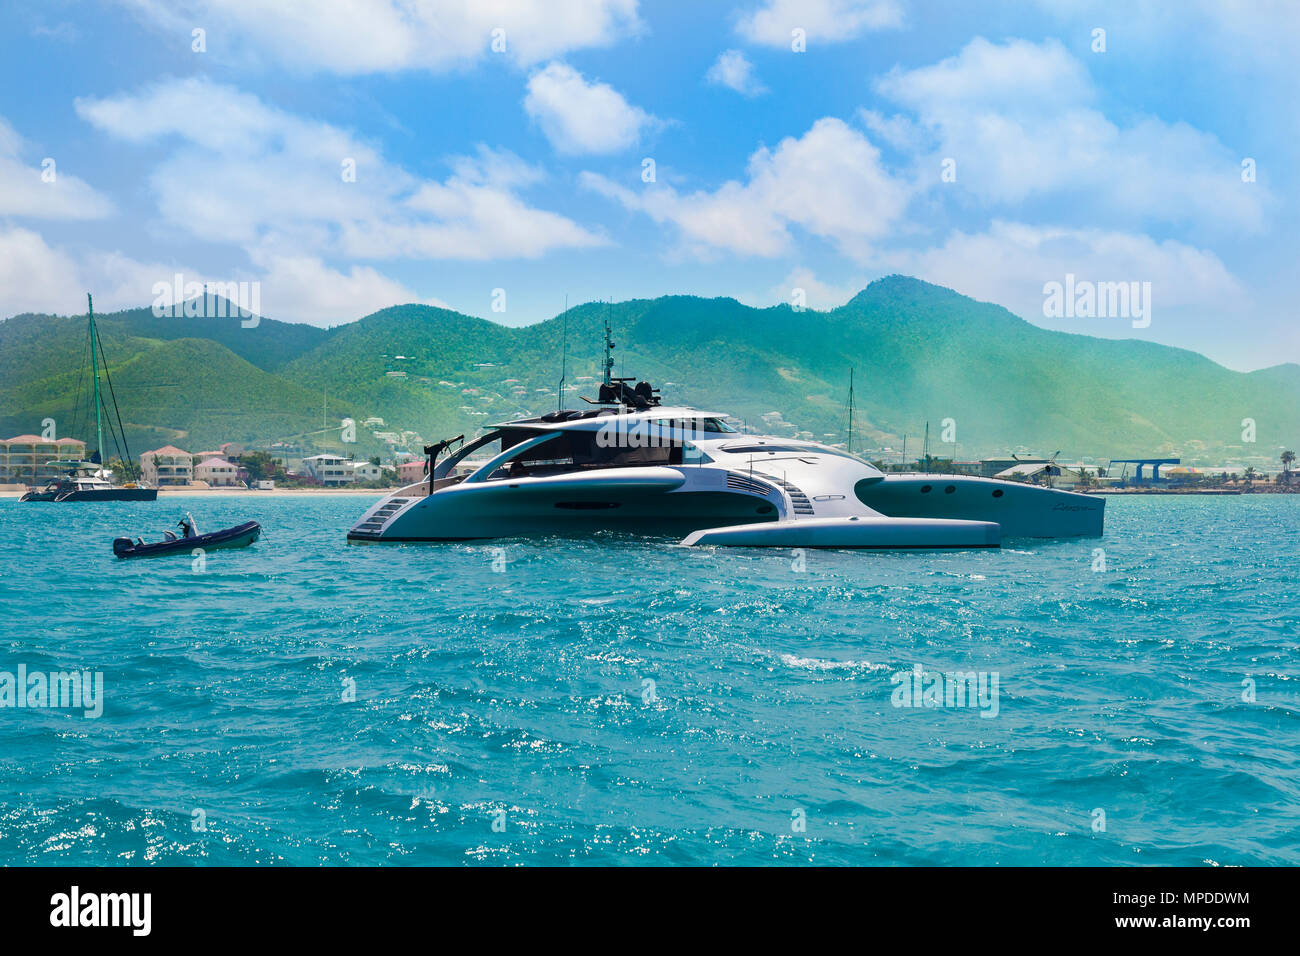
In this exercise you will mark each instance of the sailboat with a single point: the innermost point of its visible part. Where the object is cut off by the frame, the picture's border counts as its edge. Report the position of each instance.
(89, 480)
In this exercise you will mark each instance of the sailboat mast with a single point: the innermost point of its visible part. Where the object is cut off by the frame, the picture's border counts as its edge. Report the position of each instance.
(94, 374)
(849, 447)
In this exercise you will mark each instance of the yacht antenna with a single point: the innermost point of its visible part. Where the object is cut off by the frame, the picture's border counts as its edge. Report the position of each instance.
(904, 451)
(609, 353)
(564, 357)
(925, 449)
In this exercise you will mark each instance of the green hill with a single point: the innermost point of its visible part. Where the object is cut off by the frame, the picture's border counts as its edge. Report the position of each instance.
(920, 353)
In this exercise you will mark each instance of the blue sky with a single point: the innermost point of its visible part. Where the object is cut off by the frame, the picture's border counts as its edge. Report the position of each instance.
(774, 169)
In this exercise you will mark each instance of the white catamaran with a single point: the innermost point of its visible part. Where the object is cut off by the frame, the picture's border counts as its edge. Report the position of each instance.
(630, 463)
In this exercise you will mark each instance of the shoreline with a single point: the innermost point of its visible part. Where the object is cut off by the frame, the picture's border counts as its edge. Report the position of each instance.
(173, 492)
(246, 492)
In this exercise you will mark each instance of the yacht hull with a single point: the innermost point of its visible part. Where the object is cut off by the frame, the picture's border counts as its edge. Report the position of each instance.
(643, 500)
(94, 494)
(1022, 511)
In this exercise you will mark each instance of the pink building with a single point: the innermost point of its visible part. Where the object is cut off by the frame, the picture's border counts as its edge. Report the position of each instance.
(217, 472)
(410, 472)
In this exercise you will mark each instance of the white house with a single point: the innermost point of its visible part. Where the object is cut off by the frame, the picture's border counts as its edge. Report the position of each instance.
(331, 469)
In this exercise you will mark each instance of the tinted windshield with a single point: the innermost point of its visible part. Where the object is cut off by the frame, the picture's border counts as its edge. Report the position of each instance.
(715, 425)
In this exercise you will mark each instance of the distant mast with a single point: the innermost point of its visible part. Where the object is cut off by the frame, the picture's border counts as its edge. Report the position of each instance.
(849, 445)
(564, 358)
(94, 374)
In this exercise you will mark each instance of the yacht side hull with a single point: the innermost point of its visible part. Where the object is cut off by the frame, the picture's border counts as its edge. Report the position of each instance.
(866, 532)
(94, 494)
(642, 500)
(1022, 511)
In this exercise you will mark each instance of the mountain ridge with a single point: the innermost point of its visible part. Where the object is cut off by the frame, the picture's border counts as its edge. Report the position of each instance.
(921, 353)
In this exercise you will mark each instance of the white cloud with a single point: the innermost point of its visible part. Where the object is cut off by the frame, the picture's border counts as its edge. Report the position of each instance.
(581, 117)
(733, 70)
(829, 182)
(818, 295)
(24, 193)
(38, 277)
(1010, 263)
(828, 21)
(304, 289)
(245, 172)
(33, 276)
(1019, 121)
(347, 37)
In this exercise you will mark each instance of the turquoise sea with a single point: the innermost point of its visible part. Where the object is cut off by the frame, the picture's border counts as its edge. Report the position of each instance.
(624, 700)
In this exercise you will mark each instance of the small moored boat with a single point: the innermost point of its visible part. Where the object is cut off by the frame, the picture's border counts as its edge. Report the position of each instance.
(240, 536)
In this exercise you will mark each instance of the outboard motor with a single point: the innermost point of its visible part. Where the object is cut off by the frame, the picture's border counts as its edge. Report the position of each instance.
(122, 544)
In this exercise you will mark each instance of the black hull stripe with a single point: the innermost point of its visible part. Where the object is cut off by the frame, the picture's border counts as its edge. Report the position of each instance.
(819, 547)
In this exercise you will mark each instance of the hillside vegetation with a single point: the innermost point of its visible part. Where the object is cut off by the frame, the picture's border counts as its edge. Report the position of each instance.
(920, 353)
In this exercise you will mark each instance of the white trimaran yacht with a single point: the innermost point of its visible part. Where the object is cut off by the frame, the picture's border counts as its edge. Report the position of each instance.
(632, 464)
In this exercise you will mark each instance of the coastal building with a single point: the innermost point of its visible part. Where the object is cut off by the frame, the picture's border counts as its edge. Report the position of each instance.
(26, 458)
(232, 451)
(990, 467)
(1139, 475)
(1046, 473)
(409, 472)
(167, 465)
(333, 470)
(217, 472)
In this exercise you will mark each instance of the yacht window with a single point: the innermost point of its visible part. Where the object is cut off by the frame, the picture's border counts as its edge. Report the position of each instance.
(580, 450)
(758, 449)
(691, 455)
(716, 425)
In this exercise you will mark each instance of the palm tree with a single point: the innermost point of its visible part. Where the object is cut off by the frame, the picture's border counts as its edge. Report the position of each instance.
(1288, 459)
(1250, 474)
